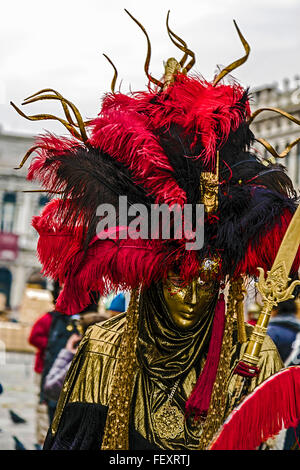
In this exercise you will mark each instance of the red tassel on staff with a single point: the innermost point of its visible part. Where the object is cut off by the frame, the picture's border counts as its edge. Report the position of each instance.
(270, 407)
(199, 400)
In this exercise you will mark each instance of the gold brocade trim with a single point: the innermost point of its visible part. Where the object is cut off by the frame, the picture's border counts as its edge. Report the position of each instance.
(116, 432)
(238, 296)
(217, 407)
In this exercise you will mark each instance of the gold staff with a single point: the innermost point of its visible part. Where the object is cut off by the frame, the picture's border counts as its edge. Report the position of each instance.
(274, 288)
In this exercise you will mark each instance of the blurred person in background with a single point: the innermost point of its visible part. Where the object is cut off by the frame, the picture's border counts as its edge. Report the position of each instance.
(284, 327)
(294, 357)
(117, 305)
(62, 328)
(297, 302)
(253, 313)
(38, 338)
(55, 378)
(3, 312)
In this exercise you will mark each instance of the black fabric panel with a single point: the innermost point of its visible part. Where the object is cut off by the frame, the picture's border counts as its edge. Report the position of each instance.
(82, 428)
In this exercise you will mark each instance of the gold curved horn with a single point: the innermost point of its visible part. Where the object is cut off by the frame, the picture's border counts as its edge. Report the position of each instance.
(275, 110)
(64, 105)
(182, 47)
(113, 83)
(64, 101)
(27, 155)
(147, 61)
(273, 152)
(41, 117)
(41, 191)
(236, 63)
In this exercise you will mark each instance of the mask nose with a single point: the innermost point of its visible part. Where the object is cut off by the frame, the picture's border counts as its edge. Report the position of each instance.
(191, 293)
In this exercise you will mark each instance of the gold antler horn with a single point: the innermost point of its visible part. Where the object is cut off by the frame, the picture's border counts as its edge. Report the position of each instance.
(41, 117)
(69, 124)
(41, 191)
(273, 152)
(113, 82)
(27, 155)
(183, 46)
(64, 103)
(267, 144)
(147, 61)
(236, 63)
(57, 96)
(275, 110)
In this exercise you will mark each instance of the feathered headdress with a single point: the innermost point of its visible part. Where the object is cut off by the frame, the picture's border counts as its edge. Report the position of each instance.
(156, 147)
(183, 141)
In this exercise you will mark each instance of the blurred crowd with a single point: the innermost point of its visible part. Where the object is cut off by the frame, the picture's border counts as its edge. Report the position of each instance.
(55, 338)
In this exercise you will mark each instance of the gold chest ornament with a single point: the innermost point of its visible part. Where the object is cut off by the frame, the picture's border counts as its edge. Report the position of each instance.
(168, 421)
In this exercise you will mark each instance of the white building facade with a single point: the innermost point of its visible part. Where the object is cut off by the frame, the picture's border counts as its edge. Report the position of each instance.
(18, 239)
(276, 129)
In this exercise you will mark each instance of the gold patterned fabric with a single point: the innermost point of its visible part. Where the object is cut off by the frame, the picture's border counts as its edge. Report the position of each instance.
(91, 375)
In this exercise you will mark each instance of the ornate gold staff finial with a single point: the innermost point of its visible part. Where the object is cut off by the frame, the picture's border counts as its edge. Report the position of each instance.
(274, 288)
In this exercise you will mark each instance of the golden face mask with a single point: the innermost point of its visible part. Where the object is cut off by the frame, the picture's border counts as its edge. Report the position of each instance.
(187, 303)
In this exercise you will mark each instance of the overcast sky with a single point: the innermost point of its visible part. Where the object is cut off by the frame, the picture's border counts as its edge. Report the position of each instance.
(59, 44)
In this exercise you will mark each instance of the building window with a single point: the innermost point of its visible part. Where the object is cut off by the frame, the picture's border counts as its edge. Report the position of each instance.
(8, 212)
(268, 125)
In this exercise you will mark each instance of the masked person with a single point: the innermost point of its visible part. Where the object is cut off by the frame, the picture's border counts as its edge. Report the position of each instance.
(165, 374)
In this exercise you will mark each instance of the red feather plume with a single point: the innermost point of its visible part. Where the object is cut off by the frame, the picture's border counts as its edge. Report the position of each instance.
(272, 405)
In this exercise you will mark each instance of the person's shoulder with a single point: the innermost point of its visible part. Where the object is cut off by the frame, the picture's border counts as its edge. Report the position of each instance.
(96, 359)
(105, 336)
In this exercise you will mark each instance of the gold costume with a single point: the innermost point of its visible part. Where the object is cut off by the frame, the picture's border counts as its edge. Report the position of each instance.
(90, 378)
(166, 374)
